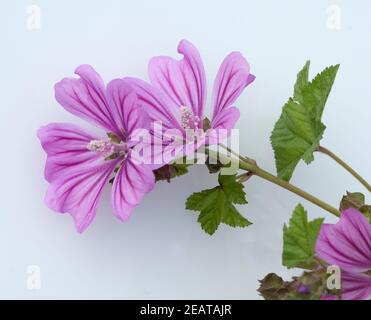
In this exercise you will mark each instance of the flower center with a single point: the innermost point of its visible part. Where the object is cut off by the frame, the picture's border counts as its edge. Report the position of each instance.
(187, 119)
(108, 149)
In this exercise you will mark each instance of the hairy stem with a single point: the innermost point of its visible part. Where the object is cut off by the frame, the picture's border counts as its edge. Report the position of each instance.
(345, 166)
(253, 168)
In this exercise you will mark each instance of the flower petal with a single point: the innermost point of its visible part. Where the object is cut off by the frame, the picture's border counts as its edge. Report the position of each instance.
(155, 103)
(86, 97)
(355, 286)
(76, 175)
(233, 76)
(127, 113)
(131, 184)
(226, 119)
(347, 243)
(79, 190)
(183, 81)
(66, 147)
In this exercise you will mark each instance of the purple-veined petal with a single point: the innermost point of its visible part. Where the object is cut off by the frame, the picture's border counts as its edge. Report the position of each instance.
(128, 115)
(86, 98)
(155, 103)
(233, 76)
(347, 243)
(131, 184)
(66, 147)
(182, 81)
(78, 190)
(76, 175)
(226, 119)
(355, 286)
(222, 125)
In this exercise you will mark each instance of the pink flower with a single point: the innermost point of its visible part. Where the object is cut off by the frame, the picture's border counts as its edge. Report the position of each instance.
(177, 93)
(355, 286)
(347, 244)
(80, 164)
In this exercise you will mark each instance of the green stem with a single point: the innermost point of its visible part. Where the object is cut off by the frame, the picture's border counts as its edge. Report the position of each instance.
(288, 186)
(345, 166)
(235, 153)
(253, 168)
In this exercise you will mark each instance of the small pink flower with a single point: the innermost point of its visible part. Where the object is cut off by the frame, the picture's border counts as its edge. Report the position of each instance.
(80, 164)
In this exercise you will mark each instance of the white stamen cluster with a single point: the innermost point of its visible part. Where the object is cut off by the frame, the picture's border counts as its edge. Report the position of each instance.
(101, 146)
(187, 119)
(108, 149)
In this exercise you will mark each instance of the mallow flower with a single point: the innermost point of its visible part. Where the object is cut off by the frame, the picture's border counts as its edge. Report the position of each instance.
(79, 164)
(176, 94)
(347, 244)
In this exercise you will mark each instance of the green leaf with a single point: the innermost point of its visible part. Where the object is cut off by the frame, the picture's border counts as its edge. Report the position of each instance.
(298, 131)
(356, 200)
(294, 137)
(233, 189)
(216, 205)
(315, 95)
(299, 240)
(301, 82)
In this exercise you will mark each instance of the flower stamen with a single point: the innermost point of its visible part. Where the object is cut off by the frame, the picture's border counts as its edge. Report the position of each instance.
(187, 119)
(108, 149)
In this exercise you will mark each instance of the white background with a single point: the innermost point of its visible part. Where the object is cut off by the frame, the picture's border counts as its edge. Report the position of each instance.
(162, 252)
